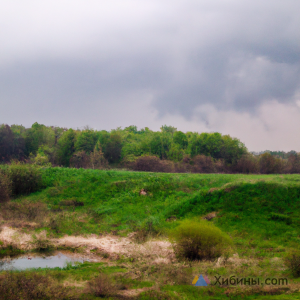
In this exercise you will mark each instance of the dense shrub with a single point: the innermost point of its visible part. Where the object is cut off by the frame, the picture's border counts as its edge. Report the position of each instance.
(30, 286)
(181, 167)
(80, 159)
(5, 188)
(293, 164)
(102, 286)
(292, 260)
(203, 164)
(221, 167)
(198, 239)
(269, 164)
(152, 164)
(24, 178)
(247, 164)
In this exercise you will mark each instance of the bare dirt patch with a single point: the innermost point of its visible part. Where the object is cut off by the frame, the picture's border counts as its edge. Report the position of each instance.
(159, 251)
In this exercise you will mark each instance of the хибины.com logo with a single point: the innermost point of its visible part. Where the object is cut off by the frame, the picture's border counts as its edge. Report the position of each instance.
(201, 281)
(233, 280)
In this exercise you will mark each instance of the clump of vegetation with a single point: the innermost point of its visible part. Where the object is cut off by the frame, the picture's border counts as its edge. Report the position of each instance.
(102, 286)
(41, 243)
(292, 260)
(281, 218)
(151, 163)
(198, 239)
(24, 211)
(5, 188)
(30, 286)
(25, 178)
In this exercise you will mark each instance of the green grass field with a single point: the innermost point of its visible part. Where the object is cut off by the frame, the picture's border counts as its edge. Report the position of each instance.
(260, 211)
(261, 214)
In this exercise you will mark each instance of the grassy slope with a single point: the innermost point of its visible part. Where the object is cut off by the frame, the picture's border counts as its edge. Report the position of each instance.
(260, 212)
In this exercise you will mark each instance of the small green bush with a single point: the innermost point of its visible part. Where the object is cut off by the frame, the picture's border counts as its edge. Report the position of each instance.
(199, 239)
(292, 261)
(25, 179)
(5, 188)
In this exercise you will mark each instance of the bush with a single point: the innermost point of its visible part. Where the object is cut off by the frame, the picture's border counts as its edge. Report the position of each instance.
(80, 159)
(152, 164)
(5, 188)
(102, 286)
(25, 179)
(199, 239)
(203, 164)
(292, 260)
(269, 164)
(247, 164)
(30, 286)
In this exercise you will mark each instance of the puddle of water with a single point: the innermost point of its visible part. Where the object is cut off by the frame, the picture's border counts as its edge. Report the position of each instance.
(21, 263)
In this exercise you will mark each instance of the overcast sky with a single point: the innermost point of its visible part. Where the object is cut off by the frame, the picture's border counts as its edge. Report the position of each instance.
(217, 65)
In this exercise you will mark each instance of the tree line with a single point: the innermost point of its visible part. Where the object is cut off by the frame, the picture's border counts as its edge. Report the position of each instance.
(168, 150)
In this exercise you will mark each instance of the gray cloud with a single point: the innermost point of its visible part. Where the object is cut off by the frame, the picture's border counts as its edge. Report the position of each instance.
(174, 56)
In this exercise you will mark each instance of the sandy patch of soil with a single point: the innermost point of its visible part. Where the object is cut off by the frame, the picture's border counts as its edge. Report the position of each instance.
(158, 250)
(11, 236)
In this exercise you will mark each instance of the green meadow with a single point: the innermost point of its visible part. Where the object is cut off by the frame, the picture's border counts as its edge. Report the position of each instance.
(260, 213)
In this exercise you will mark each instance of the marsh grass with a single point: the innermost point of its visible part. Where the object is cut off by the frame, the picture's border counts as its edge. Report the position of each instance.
(24, 210)
(31, 286)
(103, 286)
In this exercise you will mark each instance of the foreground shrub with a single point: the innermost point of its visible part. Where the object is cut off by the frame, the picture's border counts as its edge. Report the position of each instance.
(30, 286)
(25, 178)
(199, 239)
(292, 261)
(5, 188)
(102, 286)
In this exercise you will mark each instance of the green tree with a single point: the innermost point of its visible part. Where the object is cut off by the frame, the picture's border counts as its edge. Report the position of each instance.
(175, 153)
(181, 139)
(209, 144)
(113, 148)
(86, 141)
(169, 129)
(38, 135)
(66, 147)
(232, 149)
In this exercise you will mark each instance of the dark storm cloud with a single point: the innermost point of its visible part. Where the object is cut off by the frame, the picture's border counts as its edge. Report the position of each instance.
(233, 55)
